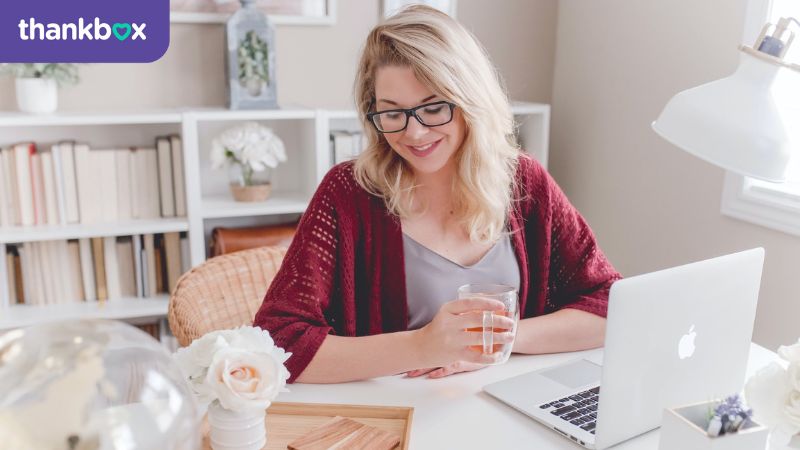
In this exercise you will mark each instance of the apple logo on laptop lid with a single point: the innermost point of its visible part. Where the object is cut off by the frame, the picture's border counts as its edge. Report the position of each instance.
(686, 345)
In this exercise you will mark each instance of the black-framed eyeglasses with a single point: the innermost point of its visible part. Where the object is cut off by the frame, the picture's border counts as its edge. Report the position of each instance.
(395, 120)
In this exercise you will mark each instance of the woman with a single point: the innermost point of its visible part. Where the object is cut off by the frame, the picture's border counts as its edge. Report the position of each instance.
(442, 195)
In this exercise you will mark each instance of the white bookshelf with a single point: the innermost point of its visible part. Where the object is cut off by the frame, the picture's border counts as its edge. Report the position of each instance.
(130, 309)
(221, 206)
(18, 235)
(305, 133)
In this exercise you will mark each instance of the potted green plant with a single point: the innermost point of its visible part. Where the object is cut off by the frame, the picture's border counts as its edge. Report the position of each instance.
(37, 84)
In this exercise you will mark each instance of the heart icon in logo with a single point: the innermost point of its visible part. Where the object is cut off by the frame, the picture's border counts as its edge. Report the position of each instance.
(121, 30)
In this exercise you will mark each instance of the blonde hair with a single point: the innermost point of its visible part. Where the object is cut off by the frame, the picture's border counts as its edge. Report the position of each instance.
(451, 62)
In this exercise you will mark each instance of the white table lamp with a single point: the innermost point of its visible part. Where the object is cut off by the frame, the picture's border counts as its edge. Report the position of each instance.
(748, 122)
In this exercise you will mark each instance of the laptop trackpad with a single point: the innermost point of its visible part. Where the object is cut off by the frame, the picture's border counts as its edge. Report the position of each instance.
(575, 374)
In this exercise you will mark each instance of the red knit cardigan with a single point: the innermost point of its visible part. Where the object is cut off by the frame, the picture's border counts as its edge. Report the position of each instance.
(344, 271)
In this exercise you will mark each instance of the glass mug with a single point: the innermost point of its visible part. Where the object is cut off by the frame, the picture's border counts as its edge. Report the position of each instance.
(508, 296)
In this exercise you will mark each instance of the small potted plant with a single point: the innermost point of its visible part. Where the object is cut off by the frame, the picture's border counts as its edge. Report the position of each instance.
(37, 84)
(716, 425)
(236, 373)
(253, 63)
(774, 393)
(250, 151)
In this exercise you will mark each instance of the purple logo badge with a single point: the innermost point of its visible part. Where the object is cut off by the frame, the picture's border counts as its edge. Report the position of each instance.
(44, 31)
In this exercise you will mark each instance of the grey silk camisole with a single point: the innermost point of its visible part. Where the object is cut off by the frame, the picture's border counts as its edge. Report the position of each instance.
(433, 280)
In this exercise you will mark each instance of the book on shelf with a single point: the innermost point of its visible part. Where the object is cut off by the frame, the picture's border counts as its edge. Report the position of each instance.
(9, 197)
(126, 269)
(149, 265)
(125, 180)
(111, 263)
(69, 182)
(172, 257)
(105, 165)
(49, 188)
(22, 163)
(98, 256)
(37, 185)
(75, 272)
(346, 145)
(64, 167)
(165, 177)
(88, 269)
(146, 200)
(178, 175)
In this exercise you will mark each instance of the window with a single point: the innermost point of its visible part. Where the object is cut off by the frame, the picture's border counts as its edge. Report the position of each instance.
(774, 205)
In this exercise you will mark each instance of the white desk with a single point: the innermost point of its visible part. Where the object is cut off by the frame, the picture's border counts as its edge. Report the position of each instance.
(453, 412)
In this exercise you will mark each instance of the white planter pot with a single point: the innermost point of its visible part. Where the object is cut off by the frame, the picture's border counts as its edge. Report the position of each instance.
(684, 428)
(232, 430)
(37, 95)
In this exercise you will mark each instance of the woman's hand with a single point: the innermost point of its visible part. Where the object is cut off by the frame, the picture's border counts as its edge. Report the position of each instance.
(440, 372)
(455, 335)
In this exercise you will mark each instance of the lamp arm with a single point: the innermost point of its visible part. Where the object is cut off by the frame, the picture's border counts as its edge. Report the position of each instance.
(777, 43)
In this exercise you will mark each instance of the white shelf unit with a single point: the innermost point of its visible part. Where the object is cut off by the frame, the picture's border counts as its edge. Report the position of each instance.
(128, 309)
(101, 130)
(305, 133)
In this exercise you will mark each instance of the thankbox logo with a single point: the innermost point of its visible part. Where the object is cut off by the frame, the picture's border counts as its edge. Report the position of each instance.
(80, 30)
(49, 31)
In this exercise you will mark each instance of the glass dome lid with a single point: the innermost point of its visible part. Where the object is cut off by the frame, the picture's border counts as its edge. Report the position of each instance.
(92, 385)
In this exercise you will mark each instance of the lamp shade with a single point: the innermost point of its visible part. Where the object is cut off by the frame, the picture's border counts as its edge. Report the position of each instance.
(748, 122)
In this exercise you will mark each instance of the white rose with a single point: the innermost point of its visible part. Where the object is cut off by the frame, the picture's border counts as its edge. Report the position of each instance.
(195, 360)
(244, 380)
(794, 375)
(768, 392)
(790, 353)
(793, 409)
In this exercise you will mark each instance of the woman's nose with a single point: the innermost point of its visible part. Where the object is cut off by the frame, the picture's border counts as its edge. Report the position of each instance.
(414, 128)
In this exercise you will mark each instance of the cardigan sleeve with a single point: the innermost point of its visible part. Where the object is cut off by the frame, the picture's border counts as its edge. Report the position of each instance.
(295, 305)
(580, 276)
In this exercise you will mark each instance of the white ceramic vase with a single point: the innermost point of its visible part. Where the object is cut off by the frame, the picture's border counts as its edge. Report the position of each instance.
(37, 95)
(233, 430)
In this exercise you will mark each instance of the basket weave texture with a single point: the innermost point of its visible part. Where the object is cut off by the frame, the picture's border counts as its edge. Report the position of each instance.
(222, 293)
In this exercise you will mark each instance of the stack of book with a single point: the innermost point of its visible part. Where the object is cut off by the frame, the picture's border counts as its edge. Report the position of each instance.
(92, 269)
(71, 183)
(346, 145)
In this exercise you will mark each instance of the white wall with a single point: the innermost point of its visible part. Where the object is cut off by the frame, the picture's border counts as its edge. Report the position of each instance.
(651, 204)
(316, 64)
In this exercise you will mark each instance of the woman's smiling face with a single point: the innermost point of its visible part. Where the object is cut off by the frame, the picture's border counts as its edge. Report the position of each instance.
(428, 150)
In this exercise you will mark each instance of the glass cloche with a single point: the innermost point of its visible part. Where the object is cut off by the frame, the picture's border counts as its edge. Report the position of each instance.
(92, 385)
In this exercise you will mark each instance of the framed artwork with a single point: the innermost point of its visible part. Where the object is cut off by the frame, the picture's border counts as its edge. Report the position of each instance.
(280, 12)
(392, 6)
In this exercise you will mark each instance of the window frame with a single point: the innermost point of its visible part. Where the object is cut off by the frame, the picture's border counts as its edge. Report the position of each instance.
(771, 208)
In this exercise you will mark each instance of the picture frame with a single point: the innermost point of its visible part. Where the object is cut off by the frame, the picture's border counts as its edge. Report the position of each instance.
(280, 12)
(389, 7)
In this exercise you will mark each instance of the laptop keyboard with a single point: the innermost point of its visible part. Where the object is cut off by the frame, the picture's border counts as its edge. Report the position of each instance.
(579, 409)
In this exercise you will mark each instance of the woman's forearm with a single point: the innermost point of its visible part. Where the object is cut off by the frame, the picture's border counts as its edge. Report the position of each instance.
(341, 359)
(565, 330)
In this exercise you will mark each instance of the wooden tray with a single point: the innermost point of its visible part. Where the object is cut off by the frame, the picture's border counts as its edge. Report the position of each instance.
(288, 421)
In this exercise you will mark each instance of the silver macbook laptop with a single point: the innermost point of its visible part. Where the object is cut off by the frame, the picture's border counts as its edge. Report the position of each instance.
(673, 337)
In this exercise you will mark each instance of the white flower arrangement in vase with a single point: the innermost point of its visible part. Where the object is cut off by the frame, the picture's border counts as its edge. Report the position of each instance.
(250, 151)
(774, 394)
(237, 373)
